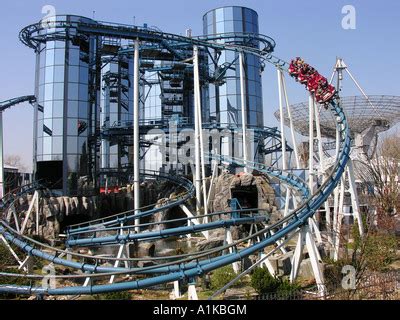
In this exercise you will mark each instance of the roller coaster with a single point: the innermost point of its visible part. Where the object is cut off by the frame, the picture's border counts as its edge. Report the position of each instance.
(116, 229)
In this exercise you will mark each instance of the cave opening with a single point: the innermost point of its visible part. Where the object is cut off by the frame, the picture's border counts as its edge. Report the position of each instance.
(246, 196)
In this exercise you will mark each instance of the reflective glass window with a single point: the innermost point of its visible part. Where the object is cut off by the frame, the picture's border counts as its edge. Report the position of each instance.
(254, 17)
(46, 145)
(248, 16)
(59, 58)
(42, 59)
(72, 145)
(59, 44)
(228, 26)
(59, 74)
(223, 104)
(253, 118)
(50, 45)
(251, 88)
(73, 109)
(57, 127)
(238, 26)
(210, 17)
(219, 15)
(231, 86)
(237, 13)
(220, 27)
(48, 109)
(249, 27)
(83, 93)
(252, 103)
(231, 102)
(222, 90)
(72, 127)
(73, 74)
(73, 57)
(49, 57)
(83, 109)
(48, 92)
(57, 145)
(83, 75)
(58, 91)
(228, 13)
(58, 109)
(56, 157)
(73, 91)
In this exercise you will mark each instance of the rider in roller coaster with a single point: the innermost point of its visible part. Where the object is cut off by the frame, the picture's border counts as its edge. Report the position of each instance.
(305, 74)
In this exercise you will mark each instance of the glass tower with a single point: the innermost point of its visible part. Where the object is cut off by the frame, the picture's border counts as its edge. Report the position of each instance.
(224, 94)
(66, 96)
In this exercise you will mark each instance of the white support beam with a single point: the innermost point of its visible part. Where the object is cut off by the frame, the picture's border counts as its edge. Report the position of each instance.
(197, 98)
(33, 205)
(192, 293)
(136, 148)
(189, 214)
(229, 240)
(354, 197)
(315, 261)
(291, 125)
(177, 290)
(281, 116)
(298, 255)
(197, 131)
(117, 262)
(211, 189)
(13, 253)
(305, 239)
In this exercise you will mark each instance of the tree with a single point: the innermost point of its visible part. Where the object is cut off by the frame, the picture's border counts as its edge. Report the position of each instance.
(15, 161)
(382, 174)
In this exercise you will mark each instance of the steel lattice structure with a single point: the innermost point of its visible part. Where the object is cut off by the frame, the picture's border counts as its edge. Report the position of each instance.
(381, 111)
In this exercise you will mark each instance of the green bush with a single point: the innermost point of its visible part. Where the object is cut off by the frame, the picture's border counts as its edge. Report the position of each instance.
(222, 276)
(380, 251)
(286, 287)
(121, 295)
(263, 282)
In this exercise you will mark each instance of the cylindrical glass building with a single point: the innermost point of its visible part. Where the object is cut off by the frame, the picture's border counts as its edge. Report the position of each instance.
(65, 87)
(224, 94)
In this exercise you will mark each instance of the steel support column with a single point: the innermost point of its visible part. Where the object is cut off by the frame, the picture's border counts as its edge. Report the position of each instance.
(136, 150)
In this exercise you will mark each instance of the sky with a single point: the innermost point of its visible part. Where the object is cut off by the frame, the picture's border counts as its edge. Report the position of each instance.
(311, 29)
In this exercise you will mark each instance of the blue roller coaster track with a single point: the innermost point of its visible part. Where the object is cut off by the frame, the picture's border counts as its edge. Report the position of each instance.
(187, 266)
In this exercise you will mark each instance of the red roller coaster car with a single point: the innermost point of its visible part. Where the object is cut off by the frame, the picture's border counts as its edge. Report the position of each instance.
(324, 95)
(295, 66)
(314, 82)
(306, 73)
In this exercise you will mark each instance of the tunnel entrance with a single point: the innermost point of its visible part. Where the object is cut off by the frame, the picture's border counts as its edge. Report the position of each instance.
(247, 196)
(73, 219)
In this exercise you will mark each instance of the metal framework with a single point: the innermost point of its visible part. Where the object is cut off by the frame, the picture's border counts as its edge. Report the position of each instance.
(297, 221)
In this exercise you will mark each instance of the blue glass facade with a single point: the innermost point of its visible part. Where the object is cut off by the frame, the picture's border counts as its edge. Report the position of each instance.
(62, 125)
(224, 99)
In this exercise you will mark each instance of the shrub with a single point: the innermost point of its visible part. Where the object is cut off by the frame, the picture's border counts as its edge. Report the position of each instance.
(263, 282)
(222, 276)
(121, 295)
